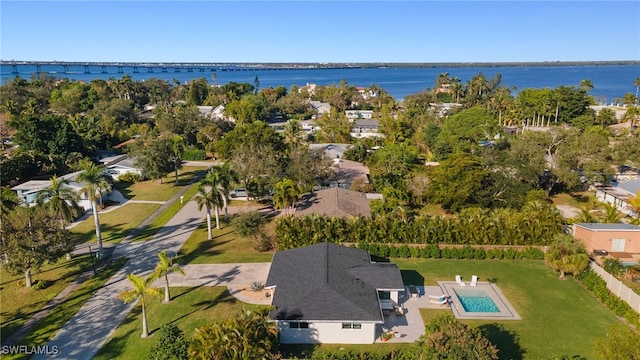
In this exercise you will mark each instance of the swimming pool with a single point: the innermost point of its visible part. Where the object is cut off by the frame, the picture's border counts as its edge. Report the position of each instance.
(476, 300)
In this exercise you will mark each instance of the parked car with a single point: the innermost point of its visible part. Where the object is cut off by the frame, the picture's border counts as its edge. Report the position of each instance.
(240, 192)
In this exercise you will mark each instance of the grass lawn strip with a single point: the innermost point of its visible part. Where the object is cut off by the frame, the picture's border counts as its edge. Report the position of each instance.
(189, 308)
(45, 329)
(115, 225)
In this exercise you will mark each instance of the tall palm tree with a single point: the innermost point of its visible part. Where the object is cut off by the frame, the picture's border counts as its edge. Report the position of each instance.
(222, 177)
(636, 82)
(141, 287)
(60, 200)
(209, 198)
(177, 147)
(96, 183)
(164, 267)
(586, 85)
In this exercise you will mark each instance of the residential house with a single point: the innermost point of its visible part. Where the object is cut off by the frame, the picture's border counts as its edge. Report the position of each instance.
(333, 150)
(120, 165)
(365, 128)
(214, 113)
(328, 293)
(614, 238)
(321, 108)
(618, 194)
(334, 201)
(359, 114)
(28, 191)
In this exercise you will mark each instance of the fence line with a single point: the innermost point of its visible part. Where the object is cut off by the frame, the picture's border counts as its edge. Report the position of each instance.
(617, 287)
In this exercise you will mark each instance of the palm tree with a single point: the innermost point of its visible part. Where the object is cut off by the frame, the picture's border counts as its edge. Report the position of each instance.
(209, 198)
(222, 177)
(59, 200)
(141, 287)
(586, 85)
(567, 255)
(165, 266)
(95, 178)
(611, 214)
(286, 193)
(636, 82)
(634, 204)
(177, 147)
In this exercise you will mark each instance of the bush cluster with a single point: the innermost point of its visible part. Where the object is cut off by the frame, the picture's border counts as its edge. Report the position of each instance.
(434, 252)
(129, 178)
(598, 287)
(194, 154)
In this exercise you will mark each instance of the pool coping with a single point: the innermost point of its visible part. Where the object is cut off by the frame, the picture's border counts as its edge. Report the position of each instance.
(507, 312)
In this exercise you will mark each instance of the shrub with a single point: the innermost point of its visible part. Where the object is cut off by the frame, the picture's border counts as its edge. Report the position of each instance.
(129, 178)
(257, 286)
(194, 154)
(170, 345)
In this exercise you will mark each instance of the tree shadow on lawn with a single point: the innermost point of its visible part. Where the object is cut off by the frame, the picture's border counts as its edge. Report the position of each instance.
(117, 344)
(507, 342)
(583, 199)
(223, 297)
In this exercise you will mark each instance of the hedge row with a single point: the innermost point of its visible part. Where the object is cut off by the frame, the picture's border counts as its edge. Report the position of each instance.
(194, 154)
(594, 283)
(434, 252)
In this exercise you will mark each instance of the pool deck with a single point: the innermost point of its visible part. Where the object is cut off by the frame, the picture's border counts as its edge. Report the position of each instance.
(507, 312)
(409, 327)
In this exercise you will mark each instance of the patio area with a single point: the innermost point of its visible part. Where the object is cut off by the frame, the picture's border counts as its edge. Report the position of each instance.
(409, 327)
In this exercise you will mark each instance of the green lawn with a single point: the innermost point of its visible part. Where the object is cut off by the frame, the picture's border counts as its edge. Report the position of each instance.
(153, 190)
(165, 216)
(558, 317)
(19, 303)
(49, 325)
(190, 308)
(115, 225)
(225, 247)
(577, 200)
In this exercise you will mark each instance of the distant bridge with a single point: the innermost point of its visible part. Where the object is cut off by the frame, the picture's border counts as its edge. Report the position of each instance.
(137, 67)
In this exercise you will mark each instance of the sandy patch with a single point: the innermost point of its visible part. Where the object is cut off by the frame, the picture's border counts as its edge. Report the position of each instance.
(568, 212)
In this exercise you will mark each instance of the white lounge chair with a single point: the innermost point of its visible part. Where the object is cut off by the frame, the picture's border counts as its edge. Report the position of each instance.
(459, 281)
(474, 280)
(439, 302)
(438, 297)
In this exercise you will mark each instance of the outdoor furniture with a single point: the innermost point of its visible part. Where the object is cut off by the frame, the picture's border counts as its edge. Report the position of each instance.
(474, 280)
(413, 291)
(459, 281)
(439, 302)
(438, 297)
(398, 310)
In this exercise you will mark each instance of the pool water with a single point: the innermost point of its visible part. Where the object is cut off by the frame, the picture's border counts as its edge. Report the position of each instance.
(476, 300)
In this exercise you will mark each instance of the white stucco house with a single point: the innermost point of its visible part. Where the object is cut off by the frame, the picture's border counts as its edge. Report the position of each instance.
(365, 128)
(123, 165)
(358, 114)
(328, 293)
(28, 191)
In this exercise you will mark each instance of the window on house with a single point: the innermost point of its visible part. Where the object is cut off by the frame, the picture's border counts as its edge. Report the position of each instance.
(355, 326)
(384, 295)
(298, 325)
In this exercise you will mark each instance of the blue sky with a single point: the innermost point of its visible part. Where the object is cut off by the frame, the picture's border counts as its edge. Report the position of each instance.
(320, 31)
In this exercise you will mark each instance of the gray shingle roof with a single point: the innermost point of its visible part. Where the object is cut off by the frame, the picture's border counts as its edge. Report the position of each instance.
(329, 282)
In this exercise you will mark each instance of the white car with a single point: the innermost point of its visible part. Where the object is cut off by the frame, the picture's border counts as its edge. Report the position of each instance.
(241, 192)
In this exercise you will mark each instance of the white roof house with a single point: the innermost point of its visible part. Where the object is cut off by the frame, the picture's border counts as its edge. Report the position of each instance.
(358, 114)
(28, 191)
(619, 195)
(365, 128)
